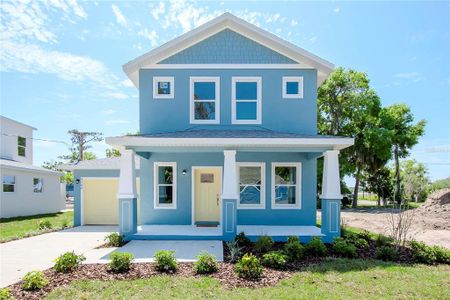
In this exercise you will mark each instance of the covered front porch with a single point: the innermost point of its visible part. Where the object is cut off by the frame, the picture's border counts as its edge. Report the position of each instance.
(271, 216)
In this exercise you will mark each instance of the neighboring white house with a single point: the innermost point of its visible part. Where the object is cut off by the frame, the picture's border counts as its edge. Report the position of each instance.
(26, 189)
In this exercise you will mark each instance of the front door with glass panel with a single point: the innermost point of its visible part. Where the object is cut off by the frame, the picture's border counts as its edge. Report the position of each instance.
(207, 196)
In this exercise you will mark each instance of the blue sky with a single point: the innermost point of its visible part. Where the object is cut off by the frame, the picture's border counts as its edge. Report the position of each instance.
(60, 61)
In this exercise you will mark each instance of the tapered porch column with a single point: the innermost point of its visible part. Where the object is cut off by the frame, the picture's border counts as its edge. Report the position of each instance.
(127, 195)
(229, 195)
(331, 196)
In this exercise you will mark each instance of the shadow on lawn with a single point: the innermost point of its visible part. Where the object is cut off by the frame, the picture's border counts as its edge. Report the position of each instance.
(23, 218)
(343, 265)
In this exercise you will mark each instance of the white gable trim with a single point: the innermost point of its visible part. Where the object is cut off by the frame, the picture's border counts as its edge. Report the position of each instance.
(228, 21)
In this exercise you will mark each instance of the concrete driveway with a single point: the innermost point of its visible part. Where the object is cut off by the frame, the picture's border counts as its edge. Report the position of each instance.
(38, 252)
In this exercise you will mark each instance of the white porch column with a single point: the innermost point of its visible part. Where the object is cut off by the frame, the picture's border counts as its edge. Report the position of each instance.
(331, 196)
(229, 195)
(127, 195)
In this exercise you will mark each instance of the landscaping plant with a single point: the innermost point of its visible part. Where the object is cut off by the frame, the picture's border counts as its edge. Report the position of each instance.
(249, 267)
(275, 260)
(165, 261)
(44, 224)
(442, 255)
(242, 240)
(361, 243)
(206, 263)
(34, 280)
(120, 261)
(67, 262)
(64, 224)
(293, 249)
(114, 239)
(343, 248)
(387, 253)
(422, 253)
(234, 251)
(383, 240)
(5, 294)
(316, 247)
(264, 244)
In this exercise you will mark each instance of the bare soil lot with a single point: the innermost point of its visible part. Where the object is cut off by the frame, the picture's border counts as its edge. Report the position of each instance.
(431, 221)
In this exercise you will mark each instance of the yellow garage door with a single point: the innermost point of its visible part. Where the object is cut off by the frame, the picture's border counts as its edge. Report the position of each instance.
(100, 205)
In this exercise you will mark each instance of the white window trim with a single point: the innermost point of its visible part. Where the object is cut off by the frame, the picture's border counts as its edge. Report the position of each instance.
(192, 80)
(156, 204)
(258, 100)
(262, 204)
(157, 79)
(20, 146)
(9, 184)
(299, 80)
(42, 189)
(298, 204)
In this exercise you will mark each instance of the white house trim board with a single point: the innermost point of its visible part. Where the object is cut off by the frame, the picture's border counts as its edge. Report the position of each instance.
(331, 184)
(258, 100)
(229, 175)
(127, 176)
(262, 204)
(298, 185)
(192, 81)
(156, 184)
(193, 169)
(225, 66)
(227, 21)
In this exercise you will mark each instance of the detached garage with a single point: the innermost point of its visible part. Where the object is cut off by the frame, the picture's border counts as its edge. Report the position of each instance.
(96, 183)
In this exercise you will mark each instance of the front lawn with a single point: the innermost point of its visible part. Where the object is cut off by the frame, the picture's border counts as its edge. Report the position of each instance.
(20, 227)
(332, 279)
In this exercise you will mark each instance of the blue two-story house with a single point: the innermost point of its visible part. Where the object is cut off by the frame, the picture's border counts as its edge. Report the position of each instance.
(228, 139)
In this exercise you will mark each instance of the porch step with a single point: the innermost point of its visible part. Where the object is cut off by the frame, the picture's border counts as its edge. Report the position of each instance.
(206, 224)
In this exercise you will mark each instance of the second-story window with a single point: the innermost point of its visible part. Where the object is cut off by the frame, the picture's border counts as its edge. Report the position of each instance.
(163, 87)
(292, 87)
(21, 146)
(246, 100)
(205, 100)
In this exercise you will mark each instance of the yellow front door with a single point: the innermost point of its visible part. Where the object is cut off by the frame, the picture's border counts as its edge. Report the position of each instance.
(207, 182)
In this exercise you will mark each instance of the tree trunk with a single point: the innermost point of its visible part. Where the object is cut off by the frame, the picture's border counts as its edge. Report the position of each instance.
(397, 176)
(355, 191)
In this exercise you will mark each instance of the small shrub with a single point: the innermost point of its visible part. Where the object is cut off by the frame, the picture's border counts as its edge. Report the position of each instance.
(274, 260)
(366, 235)
(361, 244)
(249, 267)
(165, 261)
(5, 294)
(383, 240)
(44, 224)
(387, 253)
(114, 239)
(442, 255)
(242, 240)
(67, 262)
(422, 253)
(64, 224)
(206, 263)
(343, 248)
(120, 261)
(293, 239)
(316, 247)
(264, 244)
(234, 250)
(34, 280)
(293, 249)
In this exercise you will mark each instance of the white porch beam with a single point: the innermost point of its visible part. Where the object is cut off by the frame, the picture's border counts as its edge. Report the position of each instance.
(127, 179)
(331, 184)
(229, 186)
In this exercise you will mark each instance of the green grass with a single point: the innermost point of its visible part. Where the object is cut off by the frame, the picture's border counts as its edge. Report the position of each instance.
(20, 227)
(332, 279)
(411, 205)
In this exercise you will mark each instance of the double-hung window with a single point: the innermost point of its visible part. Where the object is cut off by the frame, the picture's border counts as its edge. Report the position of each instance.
(292, 87)
(9, 183)
(205, 100)
(246, 100)
(251, 185)
(165, 185)
(38, 185)
(21, 146)
(286, 180)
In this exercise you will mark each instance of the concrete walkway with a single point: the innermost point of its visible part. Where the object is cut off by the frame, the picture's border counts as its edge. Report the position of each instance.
(38, 252)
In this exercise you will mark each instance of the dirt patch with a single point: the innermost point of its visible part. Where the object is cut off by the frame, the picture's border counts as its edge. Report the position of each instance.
(431, 221)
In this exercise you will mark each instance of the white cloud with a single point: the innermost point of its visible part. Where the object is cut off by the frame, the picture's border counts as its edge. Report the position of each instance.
(294, 23)
(337, 10)
(313, 39)
(155, 12)
(116, 121)
(150, 35)
(120, 18)
(410, 76)
(127, 83)
(109, 112)
(117, 95)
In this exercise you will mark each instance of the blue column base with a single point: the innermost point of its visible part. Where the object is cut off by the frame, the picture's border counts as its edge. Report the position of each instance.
(331, 219)
(229, 219)
(127, 217)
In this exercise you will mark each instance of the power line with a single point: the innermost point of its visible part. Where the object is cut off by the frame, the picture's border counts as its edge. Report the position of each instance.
(43, 140)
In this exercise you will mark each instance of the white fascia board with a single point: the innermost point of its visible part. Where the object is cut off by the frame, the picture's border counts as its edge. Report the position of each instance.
(129, 141)
(31, 170)
(238, 25)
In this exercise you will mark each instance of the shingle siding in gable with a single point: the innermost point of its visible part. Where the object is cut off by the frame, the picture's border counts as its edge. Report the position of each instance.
(228, 47)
